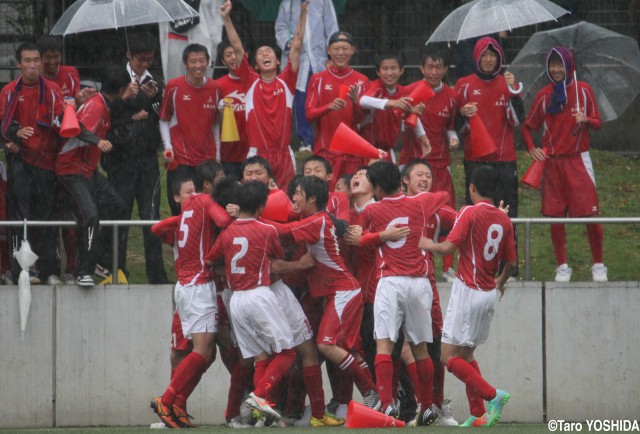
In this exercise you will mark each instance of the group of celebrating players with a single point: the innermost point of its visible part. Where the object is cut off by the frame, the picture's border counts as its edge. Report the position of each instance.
(339, 268)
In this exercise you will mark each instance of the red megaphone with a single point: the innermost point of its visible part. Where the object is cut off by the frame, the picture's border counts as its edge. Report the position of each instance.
(278, 207)
(533, 176)
(483, 144)
(70, 126)
(349, 142)
(420, 94)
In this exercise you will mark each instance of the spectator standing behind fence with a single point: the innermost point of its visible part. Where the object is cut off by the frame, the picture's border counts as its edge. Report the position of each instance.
(321, 24)
(567, 109)
(189, 119)
(132, 166)
(495, 99)
(91, 195)
(30, 108)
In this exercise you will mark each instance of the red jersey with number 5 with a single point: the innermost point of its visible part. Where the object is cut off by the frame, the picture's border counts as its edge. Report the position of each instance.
(199, 221)
(484, 237)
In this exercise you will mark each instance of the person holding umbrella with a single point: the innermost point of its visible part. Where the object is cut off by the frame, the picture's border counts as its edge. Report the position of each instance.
(567, 109)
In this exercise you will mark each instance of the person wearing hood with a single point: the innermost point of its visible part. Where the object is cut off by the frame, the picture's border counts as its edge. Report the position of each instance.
(567, 110)
(495, 98)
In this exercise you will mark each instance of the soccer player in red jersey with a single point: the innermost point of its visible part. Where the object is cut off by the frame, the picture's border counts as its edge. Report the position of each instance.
(91, 194)
(269, 97)
(495, 99)
(189, 118)
(232, 94)
(566, 109)
(403, 295)
(326, 108)
(338, 203)
(30, 109)
(483, 235)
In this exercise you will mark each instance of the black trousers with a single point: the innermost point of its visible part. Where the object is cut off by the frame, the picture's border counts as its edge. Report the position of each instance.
(138, 179)
(31, 196)
(92, 199)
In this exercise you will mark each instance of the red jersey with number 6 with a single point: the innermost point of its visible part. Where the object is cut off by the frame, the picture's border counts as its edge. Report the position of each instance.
(484, 237)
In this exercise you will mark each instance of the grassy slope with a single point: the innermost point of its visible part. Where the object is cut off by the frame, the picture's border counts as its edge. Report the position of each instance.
(618, 179)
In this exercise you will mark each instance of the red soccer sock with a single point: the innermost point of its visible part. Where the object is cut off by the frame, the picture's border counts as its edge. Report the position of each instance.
(260, 370)
(185, 379)
(424, 392)
(559, 241)
(236, 390)
(173, 372)
(362, 379)
(312, 377)
(438, 382)
(476, 403)
(397, 370)
(596, 237)
(343, 386)
(384, 372)
(412, 371)
(469, 376)
(278, 367)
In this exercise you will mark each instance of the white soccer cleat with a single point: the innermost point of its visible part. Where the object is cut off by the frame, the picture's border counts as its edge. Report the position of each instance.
(261, 405)
(445, 415)
(599, 273)
(449, 275)
(563, 273)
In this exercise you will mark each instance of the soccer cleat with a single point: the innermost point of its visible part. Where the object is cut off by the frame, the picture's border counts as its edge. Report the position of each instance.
(599, 273)
(262, 405)
(164, 413)
(182, 417)
(84, 280)
(449, 275)
(427, 417)
(445, 415)
(101, 271)
(476, 421)
(372, 400)
(327, 420)
(392, 411)
(496, 405)
(563, 273)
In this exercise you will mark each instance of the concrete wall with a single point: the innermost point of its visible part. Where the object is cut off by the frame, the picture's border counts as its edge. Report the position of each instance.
(97, 356)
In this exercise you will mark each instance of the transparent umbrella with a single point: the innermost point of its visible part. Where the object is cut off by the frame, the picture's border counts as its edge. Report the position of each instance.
(26, 258)
(90, 15)
(483, 17)
(608, 61)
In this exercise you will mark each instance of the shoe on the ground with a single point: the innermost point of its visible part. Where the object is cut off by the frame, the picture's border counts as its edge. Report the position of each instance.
(236, 423)
(427, 417)
(53, 280)
(332, 407)
(262, 405)
(599, 273)
(445, 415)
(449, 275)
(68, 279)
(101, 271)
(327, 420)
(33, 278)
(496, 405)
(85, 280)
(182, 417)
(372, 400)
(7, 278)
(473, 421)
(563, 273)
(164, 413)
(391, 410)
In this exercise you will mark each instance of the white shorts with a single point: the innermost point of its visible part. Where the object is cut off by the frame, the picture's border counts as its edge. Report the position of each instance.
(298, 323)
(197, 308)
(403, 301)
(259, 323)
(469, 315)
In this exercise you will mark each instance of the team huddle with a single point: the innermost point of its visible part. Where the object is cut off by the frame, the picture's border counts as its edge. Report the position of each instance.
(279, 272)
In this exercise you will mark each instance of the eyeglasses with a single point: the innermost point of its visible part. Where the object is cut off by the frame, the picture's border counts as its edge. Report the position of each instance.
(144, 59)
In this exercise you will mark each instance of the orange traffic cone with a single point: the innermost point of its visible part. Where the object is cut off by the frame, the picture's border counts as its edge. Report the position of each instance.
(70, 126)
(533, 176)
(483, 144)
(229, 131)
(278, 207)
(348, 141)
(343, 91)
(361, 416)
(420, 94)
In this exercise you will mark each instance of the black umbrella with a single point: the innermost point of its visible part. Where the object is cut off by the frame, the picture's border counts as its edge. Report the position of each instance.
(608, 61)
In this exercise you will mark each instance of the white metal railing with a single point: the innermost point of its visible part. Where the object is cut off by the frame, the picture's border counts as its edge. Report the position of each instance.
(527, 222)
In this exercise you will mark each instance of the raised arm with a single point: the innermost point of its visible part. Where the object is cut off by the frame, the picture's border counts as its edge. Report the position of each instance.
(298, 36)
(232, 34)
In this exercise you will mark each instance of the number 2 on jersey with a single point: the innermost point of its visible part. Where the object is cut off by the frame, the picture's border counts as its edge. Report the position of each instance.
(494, 236)
(244, 246)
